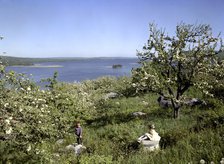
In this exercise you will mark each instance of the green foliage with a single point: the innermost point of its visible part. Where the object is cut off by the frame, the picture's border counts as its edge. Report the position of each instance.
(95, 159)
(32, 120)
(11, 61)
(170, 138)
(52, 81)
(172, 65)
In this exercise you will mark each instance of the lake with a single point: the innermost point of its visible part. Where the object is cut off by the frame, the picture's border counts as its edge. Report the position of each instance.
(78, 70)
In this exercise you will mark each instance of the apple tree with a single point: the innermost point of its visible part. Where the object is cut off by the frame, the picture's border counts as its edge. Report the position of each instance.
(171, 65)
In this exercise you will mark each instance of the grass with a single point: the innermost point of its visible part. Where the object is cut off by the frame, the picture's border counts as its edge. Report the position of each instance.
(110, 130)
(114, 131)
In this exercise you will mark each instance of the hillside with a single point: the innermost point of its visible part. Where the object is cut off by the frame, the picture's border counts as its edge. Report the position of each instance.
(10, 61)
(32, 120)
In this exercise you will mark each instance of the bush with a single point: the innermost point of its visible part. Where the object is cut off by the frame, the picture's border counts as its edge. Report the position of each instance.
(95, 159)
(171, 137)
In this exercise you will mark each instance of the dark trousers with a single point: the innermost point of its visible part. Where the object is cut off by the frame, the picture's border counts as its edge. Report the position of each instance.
(79, 140)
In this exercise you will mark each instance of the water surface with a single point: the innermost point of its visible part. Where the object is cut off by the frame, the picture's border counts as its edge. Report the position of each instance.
(79, 70)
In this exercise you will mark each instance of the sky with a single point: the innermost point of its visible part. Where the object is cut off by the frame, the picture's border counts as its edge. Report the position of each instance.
(95, 28)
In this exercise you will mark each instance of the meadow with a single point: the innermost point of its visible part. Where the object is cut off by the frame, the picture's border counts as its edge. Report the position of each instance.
(33, 120)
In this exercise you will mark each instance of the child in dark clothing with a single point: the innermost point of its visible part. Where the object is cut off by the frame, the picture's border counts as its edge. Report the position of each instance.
(78, 132)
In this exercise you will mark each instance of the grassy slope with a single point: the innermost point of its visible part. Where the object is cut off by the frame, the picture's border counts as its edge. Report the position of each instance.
(112, 132)
(180, 143)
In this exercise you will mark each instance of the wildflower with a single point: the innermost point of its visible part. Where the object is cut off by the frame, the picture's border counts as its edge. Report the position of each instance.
(28, 88)
(6, 104)
(20, 109)
(202, 161)
(39, 122)
(41, 101)
(29, 148)
(7, 121)
(9, 131)
(10, 118)
(37, 151)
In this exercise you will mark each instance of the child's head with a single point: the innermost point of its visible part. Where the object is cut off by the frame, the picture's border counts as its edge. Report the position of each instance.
(78, 124)
(151, 126)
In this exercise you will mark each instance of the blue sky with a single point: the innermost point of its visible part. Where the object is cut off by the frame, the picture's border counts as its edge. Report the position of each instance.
(90, 28)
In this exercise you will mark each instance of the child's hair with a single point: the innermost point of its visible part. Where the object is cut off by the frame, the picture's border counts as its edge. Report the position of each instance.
(151, 126)
(76, 122)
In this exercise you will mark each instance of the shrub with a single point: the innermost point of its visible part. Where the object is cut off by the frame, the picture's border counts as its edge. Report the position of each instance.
(171, 137)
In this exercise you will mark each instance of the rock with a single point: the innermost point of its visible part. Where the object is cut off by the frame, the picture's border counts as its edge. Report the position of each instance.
(164, 103)
(150, 145)
(136, 114)
(76, 148)
(111, 95)
(57, 155)
(194, 102)
(60, 141)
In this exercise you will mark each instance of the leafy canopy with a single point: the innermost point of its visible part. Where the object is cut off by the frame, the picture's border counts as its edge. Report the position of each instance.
(171, 65)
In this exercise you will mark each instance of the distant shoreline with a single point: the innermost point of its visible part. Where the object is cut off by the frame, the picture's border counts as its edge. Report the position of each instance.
(39, 66)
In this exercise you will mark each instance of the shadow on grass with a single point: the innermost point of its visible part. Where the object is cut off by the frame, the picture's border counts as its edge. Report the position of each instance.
(116, 118)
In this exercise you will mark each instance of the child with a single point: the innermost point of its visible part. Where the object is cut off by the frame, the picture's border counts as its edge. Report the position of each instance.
(151, 135)
(78, 132)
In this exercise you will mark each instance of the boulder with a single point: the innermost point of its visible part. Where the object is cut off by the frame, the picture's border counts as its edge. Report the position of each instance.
(164, 103)
(77, 148)
(194, 102)
(111, 95)
(136, 114)
(150, 145)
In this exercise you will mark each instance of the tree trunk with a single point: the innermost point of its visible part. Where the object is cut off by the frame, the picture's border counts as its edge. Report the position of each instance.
(176, 112)
(176, 109)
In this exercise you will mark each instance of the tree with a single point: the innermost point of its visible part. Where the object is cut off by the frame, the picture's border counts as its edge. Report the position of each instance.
(172, 65)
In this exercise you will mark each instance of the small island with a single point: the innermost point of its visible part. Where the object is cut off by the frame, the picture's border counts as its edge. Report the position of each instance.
(115, 66)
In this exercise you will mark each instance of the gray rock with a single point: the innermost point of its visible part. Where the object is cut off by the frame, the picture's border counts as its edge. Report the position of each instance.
(164, 103)
(57, 155)
(150, 145)
(111, 95)
(194, 102)
(77, 149)
(60, 141)
(136, 114)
